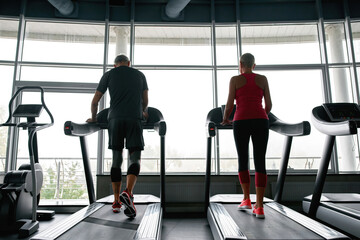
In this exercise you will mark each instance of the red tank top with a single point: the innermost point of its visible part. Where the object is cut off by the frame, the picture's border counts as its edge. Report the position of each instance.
(249, 100)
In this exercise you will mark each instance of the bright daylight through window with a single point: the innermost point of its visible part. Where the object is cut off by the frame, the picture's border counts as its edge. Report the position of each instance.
(179, 64)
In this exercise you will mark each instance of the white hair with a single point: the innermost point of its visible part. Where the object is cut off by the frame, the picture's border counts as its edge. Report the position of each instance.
(247, 59)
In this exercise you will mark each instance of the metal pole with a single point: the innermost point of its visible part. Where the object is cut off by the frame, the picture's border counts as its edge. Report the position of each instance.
(33, 173)
(162, 172)
(87, 170)
(207, 174)
(283, 169)
(13, 133)
(238, 29)
(321, 175)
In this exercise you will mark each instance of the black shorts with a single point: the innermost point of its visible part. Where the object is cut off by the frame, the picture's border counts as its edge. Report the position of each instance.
(129, 129)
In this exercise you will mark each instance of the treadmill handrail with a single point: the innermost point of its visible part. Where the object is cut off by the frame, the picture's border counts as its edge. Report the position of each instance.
(319, 120)
(82, 129)
(303, 128)
(289, 129)
(155, 121)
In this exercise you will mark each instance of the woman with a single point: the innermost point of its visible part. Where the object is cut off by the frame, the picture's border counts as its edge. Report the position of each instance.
(250, 119)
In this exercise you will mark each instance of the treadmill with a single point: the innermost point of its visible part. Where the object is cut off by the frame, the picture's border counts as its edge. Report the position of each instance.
(341, 210)
(226, 222)
(97, 221)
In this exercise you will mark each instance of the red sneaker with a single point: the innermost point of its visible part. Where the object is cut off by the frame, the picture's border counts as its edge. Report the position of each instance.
(259, 212)
(116, 207)
(128, 201)
(245, 204)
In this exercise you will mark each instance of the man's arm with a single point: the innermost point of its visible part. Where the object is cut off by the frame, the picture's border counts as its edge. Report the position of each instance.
(145, 103)
(94, 106)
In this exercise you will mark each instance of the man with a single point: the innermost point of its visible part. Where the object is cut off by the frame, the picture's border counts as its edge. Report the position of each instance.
(128, 103)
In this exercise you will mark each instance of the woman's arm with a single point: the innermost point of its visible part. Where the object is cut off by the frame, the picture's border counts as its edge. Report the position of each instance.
(230, 102)
(267, 97)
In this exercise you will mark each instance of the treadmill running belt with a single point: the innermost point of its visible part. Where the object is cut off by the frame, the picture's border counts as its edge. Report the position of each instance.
(104, 224)
(105, 213)
(355, 206)
(274, 226)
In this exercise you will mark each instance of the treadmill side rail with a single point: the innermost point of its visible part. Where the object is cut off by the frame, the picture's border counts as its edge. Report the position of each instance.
(69, 222)
(307, 222)
(150, 226)
(225, 225)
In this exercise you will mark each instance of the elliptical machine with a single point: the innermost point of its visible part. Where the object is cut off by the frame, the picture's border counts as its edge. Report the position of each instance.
(20, 192)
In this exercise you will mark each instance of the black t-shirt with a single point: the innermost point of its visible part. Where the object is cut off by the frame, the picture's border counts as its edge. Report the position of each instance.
(126, 86)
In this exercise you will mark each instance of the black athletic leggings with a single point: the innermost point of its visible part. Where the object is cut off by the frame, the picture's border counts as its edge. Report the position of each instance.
(258, 129)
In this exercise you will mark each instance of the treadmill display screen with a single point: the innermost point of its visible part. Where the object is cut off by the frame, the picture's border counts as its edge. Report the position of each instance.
(342, 111)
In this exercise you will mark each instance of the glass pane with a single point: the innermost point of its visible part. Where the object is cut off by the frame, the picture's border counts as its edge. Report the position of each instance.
(184, 107)
(347, 146)
(348, 153)
(223, 80)
(64, 42)
(290, 106)
(226, 49)
(340, 83)
(172, 46)
(281, 44)
(355, 28)
(119, 42)
(6, 76)
(59, 74)
(60, 155)
(8, 39)
(336, 43)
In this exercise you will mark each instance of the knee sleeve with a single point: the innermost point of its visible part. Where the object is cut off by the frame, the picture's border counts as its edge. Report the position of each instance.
(134, 169)
(134, 165)
(244, 176)
(115, 174)
(260, 179)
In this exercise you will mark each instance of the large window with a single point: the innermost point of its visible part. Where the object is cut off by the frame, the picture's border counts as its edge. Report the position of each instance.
(281, 44)
(341, 91)
(294, 94)
(64, 43)
(336, 43)
(226, 47)
(60, 74)
(184, 106)
(119, 42)
(287, 89)
(180, 66)
(184, 97)
(355, 27)
(6, 79)
(172, 46)
(60, 155)
(8, 39)
(223, 79)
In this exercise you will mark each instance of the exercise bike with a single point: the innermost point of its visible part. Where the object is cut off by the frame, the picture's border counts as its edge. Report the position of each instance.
(20, 192)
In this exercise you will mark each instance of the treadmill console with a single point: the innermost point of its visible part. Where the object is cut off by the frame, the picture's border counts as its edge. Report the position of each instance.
(342, 111)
